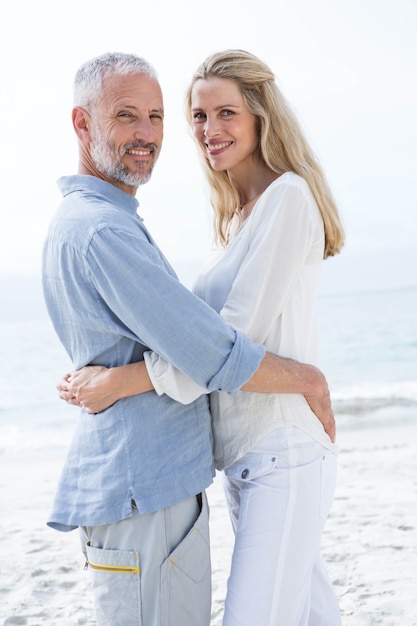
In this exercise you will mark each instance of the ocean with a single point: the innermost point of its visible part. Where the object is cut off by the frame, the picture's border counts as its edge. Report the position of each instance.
(368, 344)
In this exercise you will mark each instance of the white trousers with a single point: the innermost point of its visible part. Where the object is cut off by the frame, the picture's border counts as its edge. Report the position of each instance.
(152, 569)
(279, 496)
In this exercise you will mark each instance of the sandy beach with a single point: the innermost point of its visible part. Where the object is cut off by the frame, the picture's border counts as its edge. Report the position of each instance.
(370, 541)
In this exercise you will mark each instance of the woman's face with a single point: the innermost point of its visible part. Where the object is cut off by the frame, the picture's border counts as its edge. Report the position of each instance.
(222, 124)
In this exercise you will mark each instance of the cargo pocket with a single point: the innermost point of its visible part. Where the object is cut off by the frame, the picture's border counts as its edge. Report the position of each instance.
(116, 585)
(186, 577)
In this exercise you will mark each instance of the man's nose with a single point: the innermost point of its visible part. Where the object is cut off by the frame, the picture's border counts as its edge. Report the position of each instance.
(145, 130)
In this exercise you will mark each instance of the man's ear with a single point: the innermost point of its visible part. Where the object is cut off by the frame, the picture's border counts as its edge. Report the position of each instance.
(82, 124)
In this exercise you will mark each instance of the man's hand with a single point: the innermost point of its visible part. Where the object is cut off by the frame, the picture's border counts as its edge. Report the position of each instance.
(282, 375)
(320, 404)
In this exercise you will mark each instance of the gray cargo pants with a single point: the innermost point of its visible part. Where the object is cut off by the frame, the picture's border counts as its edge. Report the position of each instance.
(152, 569)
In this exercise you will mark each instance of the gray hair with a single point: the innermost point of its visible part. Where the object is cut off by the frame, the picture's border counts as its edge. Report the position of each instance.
(89, 78)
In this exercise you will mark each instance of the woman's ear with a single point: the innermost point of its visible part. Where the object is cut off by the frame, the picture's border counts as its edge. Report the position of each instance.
(82, 124)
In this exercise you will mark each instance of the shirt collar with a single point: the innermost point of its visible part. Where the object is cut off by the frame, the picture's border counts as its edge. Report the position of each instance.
(78, 182)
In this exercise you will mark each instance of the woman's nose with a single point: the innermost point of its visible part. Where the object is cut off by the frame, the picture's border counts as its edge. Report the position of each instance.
(211, 128)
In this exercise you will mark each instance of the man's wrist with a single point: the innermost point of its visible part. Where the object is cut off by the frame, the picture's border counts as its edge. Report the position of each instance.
(315, 382)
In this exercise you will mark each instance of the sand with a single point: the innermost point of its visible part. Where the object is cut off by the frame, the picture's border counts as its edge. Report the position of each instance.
(369, 544)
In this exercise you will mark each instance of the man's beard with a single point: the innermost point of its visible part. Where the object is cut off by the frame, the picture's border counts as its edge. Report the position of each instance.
(108, 161)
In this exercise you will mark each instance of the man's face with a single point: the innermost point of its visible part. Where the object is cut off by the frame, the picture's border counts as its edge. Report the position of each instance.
(127, 130)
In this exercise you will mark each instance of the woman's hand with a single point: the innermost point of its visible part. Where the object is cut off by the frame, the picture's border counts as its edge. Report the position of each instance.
(64, 391)
(96, 387)
(88, 387)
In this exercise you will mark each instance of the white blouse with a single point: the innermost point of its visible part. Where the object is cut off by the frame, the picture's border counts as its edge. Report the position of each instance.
(264, 283)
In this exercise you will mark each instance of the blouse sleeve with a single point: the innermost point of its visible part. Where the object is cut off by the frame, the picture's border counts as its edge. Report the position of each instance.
(170, 380)
(286, 232)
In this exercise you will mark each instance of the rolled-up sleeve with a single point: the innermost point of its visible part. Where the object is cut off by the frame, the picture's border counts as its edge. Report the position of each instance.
(149, 304)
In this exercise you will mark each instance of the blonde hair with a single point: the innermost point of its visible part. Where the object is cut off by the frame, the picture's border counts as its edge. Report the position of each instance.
(282, 143)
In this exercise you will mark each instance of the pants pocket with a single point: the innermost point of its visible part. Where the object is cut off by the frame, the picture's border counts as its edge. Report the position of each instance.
(116, 586)
(186, 577)
(251, 467)
(328, 483)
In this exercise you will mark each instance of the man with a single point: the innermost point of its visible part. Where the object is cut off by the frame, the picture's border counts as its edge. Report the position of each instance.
(135, 474)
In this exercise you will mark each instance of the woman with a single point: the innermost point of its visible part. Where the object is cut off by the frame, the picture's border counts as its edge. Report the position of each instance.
(275, 220)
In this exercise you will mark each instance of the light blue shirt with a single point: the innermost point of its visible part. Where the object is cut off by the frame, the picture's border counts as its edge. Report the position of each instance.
(111, 295)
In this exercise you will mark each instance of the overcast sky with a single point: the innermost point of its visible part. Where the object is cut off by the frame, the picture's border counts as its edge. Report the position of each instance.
(348, 67)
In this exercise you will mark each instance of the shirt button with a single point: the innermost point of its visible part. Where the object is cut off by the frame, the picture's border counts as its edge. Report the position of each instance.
(245, 473)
